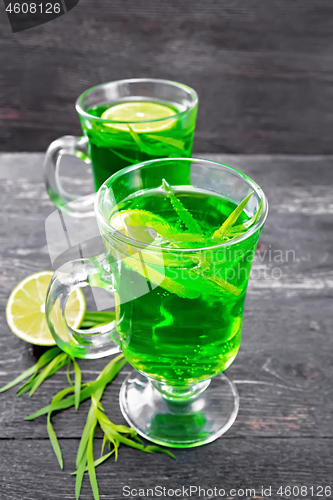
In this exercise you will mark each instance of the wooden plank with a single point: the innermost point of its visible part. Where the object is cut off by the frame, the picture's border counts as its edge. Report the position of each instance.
(263, 70)
(30, 470)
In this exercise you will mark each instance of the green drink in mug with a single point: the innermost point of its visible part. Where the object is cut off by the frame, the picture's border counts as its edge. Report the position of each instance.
(124, 122)
(177, 259)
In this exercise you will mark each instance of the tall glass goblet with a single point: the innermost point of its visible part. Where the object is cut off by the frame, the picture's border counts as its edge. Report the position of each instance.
(179, 288)
(124, 122)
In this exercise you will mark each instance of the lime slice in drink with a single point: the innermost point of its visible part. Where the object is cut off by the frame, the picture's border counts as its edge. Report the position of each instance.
(141, 225)
(140, 117)
(25, 310)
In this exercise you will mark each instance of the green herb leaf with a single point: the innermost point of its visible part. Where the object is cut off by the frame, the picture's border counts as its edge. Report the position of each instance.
(68, 372)
(97, 316)
(89, 429)
(176, 143)
(30, 383)
(104, 378)
(187, 238)
(115, 434)
(58, 397)
(92, 319)
(91, 466)
(54, 441)
(26, 387)
(97, 462)
(116, 438)
(90, 425)
(109, 372)
(50, 430)
(219, 233)
(50, 369)
(66, 403)
(103, 444)
(246, 224)
(125, 158)
(79, 475)
(154, 448)
(43, 360)
(185, 216)
(78, 380)
(141, 145)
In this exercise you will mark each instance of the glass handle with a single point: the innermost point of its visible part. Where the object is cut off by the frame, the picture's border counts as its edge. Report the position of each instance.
(69, 145)
(94, 343)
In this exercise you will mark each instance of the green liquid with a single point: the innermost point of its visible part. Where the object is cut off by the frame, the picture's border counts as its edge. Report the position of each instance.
(188, 328)
(111, 149)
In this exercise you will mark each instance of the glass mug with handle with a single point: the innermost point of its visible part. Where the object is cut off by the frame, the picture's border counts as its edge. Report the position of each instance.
(177, 259)
(124, 122)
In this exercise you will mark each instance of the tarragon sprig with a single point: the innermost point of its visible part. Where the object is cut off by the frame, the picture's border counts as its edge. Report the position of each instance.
(230, 221)
(114, 435)
(234, 231)
(185, 216)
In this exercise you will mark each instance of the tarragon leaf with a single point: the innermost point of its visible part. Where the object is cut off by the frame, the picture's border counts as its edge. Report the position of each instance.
(104, 378)
(68, 373)
(154, 448)
(43, 360)
(90, 425)
(230, 221)
(91, 466)
(98, 316)
(123, 157)
(54, 441)
(78, 380)
(50, 369)
(116, 438)
(30, 383)
(176, 143)
(105, 441)
(141, 145)
(97, 462)
(79, 475)
(182, 212)
(246, 224)
(83, 452)
(50, 430)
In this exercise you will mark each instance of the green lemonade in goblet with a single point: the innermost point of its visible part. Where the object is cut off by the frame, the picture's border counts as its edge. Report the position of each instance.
(136, 131)
(188, 327)
(177, 260)
(124, 123)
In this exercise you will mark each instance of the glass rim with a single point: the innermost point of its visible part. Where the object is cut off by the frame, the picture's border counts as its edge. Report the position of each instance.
(142, 246)
(189, 90)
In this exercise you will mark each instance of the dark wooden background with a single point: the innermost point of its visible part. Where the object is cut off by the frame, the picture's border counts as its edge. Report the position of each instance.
(283, 434)
(263, 69)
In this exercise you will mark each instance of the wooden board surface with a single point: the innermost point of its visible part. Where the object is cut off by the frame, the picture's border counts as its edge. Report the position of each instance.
(263, 69)
(283, 434)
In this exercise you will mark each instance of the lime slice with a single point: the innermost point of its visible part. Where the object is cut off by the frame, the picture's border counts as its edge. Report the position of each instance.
(25, 310)
(141, 225)
(137, 116)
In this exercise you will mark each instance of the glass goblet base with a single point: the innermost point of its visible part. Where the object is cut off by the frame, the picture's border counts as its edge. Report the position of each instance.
(167, 419)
